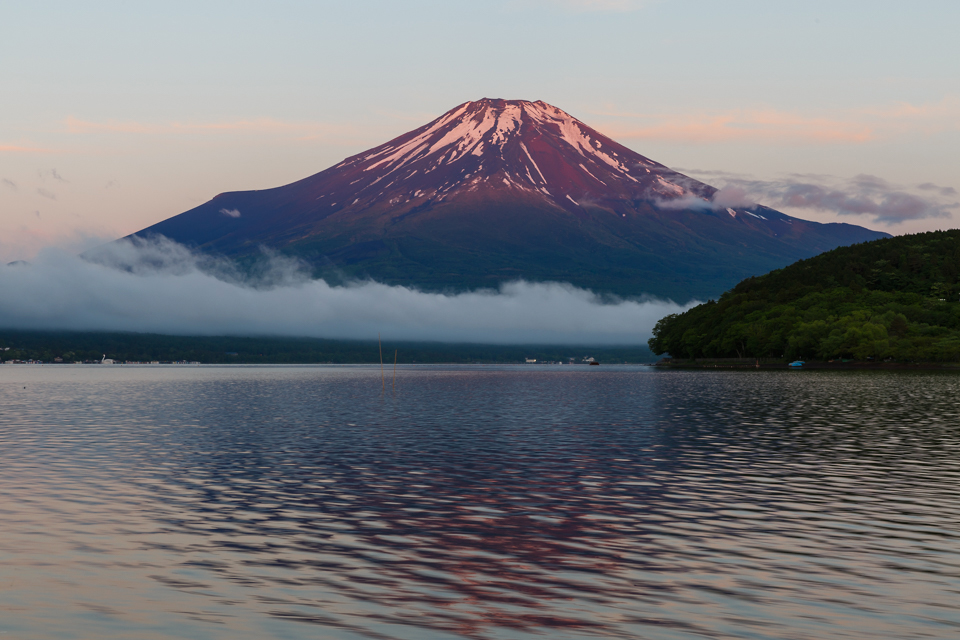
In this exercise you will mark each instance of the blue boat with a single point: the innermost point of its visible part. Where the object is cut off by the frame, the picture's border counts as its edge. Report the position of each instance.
(796, 364)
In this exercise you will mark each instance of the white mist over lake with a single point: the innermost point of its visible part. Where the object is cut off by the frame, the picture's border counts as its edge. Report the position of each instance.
(162, 287)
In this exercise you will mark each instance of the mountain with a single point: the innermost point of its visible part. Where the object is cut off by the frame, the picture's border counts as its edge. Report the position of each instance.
(894, 298)
(497, 190)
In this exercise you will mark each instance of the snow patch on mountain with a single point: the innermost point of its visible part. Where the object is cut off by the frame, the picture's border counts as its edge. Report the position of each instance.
(489, 145)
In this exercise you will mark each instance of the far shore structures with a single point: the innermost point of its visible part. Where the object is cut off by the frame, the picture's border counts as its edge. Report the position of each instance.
(106, 360)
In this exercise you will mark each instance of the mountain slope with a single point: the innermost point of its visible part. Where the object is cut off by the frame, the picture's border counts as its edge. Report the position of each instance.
(496, 190)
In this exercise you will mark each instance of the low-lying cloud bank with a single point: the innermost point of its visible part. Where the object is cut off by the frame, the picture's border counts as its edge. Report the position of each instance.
(161, 287)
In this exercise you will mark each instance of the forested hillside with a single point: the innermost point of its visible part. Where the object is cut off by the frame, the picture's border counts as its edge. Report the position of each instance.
(896, 298)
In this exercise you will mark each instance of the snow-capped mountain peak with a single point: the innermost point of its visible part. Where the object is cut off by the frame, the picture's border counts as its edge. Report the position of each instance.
(493, 145)
(498, 190)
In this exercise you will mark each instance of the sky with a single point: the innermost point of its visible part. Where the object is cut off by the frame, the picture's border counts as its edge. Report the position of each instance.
(116, 115)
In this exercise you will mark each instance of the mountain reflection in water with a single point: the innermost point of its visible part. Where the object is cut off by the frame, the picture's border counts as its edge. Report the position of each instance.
(479, 502)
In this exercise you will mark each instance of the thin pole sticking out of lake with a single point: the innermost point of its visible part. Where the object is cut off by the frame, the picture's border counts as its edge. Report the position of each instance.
(383, 379)
(395, 369)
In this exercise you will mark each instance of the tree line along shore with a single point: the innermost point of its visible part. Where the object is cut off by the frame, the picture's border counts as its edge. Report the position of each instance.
(894, 301)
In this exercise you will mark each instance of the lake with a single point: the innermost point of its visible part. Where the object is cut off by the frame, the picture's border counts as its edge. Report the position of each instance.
(477, 502)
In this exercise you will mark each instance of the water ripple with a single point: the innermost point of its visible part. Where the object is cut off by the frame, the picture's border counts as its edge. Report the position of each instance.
(477, 502)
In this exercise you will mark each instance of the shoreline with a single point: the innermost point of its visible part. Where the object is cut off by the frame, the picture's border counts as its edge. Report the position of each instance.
(781, 365)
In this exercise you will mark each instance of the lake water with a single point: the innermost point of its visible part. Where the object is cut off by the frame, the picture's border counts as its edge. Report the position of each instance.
(477, 502)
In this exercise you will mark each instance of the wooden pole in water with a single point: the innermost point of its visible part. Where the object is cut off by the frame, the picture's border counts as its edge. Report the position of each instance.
(395, 369)
(383, 380)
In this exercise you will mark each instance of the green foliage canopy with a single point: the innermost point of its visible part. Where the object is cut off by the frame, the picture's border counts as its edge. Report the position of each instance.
(895, 298)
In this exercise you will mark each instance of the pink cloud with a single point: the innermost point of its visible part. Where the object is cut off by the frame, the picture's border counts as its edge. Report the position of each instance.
(15, 148)
(75, 125)
(854, 126)
(744, 125)
(927, 119)
(302, 131)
